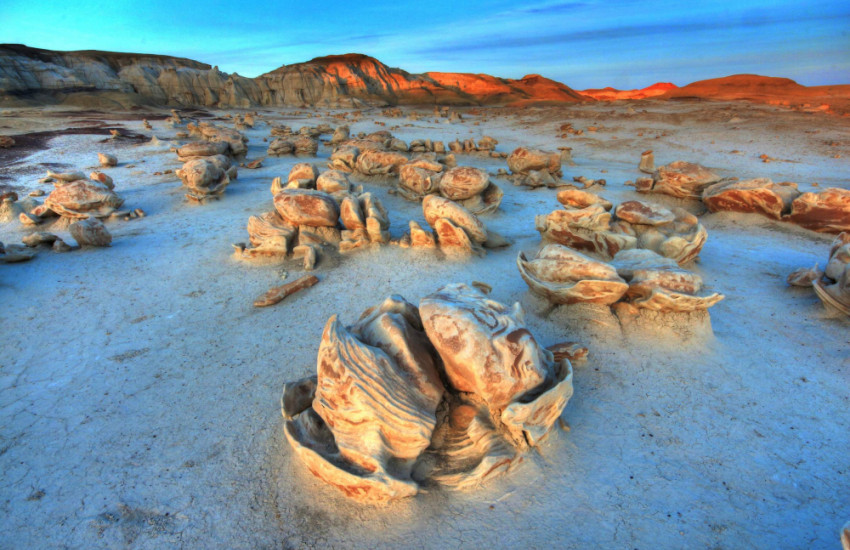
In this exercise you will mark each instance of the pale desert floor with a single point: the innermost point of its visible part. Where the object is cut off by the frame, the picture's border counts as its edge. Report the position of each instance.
(139, 387)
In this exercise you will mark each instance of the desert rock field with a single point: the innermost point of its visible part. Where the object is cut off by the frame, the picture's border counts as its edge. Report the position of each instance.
(188, 358)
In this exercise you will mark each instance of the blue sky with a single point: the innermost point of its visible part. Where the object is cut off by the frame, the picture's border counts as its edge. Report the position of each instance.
(584, 44)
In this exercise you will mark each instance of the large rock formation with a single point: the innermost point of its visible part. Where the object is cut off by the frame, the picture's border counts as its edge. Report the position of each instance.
(32, 76)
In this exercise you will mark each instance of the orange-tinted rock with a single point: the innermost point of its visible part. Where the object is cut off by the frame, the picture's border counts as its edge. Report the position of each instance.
(344, 159)
(827, 211)
(351, 214)
(280, 147)
(333, 181)
(204, 178)
(578, 199)
(463, 182)
(659, 284)
(416, 182)
(90, 232)
(522, 161)
(307, 207)
(303, 171)
(682, 179)
(452, 238)
(564, 276)
(587, 230)
(196, 149)
(435, 208)
(485, 202)
(379, 163)
(83, 199)
(305, 145)
(421, 238)
(759, 196)
(643, 213)
(270, 232)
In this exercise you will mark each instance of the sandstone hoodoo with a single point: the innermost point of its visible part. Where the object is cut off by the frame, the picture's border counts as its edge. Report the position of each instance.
(412, 396)
(205, 178)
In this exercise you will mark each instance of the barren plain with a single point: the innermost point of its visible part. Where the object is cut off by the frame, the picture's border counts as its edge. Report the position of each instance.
(139, 387)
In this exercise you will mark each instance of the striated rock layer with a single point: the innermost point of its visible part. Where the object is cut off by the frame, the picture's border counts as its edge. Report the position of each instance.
(94, 77)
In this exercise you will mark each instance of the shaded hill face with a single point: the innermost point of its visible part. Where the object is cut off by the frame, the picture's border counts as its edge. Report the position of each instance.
(109, 79)
(613, 94)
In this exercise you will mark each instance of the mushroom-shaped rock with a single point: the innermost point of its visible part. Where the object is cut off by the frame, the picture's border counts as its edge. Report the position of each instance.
(564, 276)
(759, 195)
(685, 180)
(659, 284)
(333, 181)
(379, 163)
(463, 182)
(435, 208)
(578, 199)
(374, 406)
(826, 212)
(83, 199)
(196, 149)
(204, 178)
(522, 161)
(307, 207)
(90, 232)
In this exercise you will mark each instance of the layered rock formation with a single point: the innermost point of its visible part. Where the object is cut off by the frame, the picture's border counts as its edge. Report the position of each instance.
(30, 75)
(613, 94)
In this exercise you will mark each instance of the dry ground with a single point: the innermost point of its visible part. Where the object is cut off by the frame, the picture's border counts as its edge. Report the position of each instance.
(139, 387)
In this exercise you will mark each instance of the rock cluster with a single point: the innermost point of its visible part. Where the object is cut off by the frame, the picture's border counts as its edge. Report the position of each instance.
(313, 211)
(206, 177)
(586, 224)
(639, 277)
(826, 211)
(456, 231)
(305, 142)
(468, 186)
(448, 394)
(236, 142)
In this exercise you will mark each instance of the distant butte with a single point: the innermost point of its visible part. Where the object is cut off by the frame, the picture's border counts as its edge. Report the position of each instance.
(110, 80)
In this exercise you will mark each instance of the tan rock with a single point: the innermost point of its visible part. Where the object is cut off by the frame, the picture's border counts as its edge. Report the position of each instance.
(681, 179)
(463, 182)
(341, 133)
(804, 277)
(307, 207)
(82, 199)
(351, 214)
(280, 147)
(10, 210)
(486, 202)
(194, 150)
(90, 232)
(659, 284)
(344, 159)
(421, 238)
(100, 177)
(522, 161)
(12, 254)
(578, 199)
(564, 276)
(379, 163)
(435, 208)
(204, 179)
(106, 160)
(487, 143)
(637, 212)
(303, 171)
(333, 181)
(38, 238)
(647, 162)
(827, 211)
(270, 232)
(760, 196)
(65, 177)
(305, 145)
(416, 182)
(587, 230)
